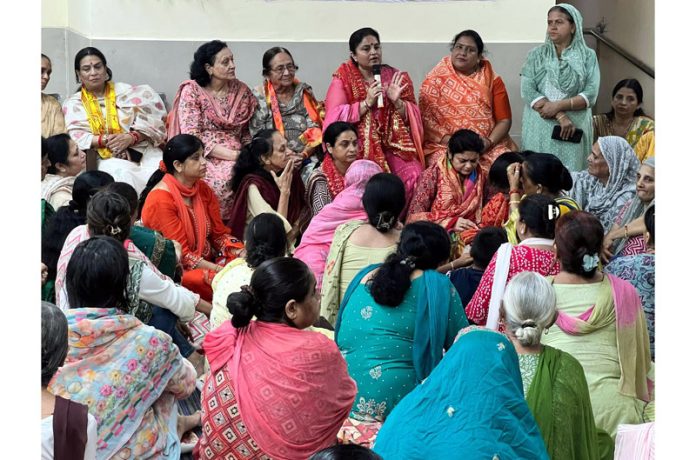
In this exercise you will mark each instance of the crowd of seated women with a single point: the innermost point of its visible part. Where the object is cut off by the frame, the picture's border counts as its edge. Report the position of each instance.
(381, 274)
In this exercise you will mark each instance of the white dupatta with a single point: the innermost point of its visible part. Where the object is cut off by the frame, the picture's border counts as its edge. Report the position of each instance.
(502, 269)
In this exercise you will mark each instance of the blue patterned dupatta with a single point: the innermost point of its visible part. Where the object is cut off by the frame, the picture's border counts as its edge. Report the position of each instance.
(431, 318)
(472, 405)
(118, 367)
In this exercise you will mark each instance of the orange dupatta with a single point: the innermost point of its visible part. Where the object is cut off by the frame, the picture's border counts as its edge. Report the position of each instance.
(97, 123)
(196, 229)
(312, 136)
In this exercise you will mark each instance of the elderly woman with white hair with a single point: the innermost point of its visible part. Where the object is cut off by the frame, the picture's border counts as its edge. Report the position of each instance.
(554, 382)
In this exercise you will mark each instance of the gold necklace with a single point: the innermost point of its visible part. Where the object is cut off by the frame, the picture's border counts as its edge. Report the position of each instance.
(625, 131)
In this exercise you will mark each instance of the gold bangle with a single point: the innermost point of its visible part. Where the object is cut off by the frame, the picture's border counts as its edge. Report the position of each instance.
(451, 266)
(514, 201)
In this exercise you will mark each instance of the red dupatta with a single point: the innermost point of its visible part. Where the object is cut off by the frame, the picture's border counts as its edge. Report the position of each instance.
(455, 199)
(196, 229)
(312, 136)
(383, 128)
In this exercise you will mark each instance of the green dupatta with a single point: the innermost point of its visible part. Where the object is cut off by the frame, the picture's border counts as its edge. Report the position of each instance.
(157, 248)
(560, 402)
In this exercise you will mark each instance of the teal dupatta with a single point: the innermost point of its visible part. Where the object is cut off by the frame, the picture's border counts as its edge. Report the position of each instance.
(431, 330)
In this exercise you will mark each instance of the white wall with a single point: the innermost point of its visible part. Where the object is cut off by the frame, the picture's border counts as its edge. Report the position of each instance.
(297, 20)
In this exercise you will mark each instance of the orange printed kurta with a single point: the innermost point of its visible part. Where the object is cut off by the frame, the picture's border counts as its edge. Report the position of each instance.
(450, 101)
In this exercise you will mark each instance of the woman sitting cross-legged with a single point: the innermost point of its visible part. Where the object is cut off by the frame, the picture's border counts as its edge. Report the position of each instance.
(357, 243)
(471, 406)
(129, 374)
(274, 390)
(67, 161)
(450, 192)
(68, 431)
(347, 206)
(184, 208)
(553, 381)
(265, 180)
(601, 323)
(535, 230)
(264, 239)
(394, 322)
(152, 297)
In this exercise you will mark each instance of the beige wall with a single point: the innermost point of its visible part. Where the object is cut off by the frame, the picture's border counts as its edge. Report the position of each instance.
(631, 24)
(297, 20)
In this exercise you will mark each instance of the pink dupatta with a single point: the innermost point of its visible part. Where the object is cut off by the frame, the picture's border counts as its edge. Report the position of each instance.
(316, 241)
(214, 111)
(624, 308)
(293, 387)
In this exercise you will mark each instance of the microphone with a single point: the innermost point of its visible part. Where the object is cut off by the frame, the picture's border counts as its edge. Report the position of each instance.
(376, 70)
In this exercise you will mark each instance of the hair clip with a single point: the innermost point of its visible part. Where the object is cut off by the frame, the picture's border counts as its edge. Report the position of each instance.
(590, 262)
(554, 212)
(410, 261)
(383, 222)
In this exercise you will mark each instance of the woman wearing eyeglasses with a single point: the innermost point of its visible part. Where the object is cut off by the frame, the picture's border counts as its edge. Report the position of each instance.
(463, 91)
(286, 104)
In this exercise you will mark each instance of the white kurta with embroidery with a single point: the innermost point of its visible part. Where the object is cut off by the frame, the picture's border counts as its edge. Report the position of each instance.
(139, 109)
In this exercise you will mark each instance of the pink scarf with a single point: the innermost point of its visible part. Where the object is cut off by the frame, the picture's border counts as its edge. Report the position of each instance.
(239, 97)
(347, 205)
(293, 386)
(624, 308)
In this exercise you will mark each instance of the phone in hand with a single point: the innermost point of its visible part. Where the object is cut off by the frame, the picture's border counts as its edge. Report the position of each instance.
(575, 138)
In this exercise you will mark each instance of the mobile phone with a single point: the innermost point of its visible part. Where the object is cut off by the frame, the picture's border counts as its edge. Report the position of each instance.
(575, 138)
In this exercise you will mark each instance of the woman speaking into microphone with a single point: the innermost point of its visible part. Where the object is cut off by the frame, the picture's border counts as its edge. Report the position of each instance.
(380, 101)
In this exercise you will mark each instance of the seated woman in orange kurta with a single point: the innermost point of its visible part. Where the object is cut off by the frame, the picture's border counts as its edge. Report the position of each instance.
(185, 209)
(450, 192)
(463, 91)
